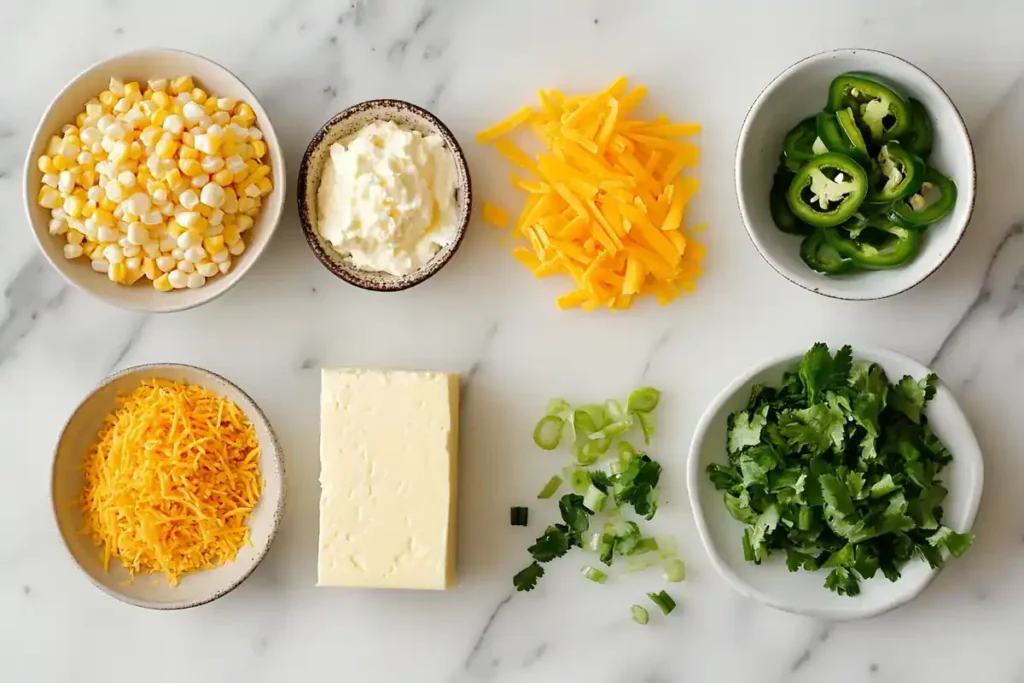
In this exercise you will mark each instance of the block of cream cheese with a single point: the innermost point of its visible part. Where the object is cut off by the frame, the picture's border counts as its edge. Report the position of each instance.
(388, 463)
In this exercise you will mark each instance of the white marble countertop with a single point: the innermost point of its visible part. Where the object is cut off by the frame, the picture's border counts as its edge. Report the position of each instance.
(471, 62)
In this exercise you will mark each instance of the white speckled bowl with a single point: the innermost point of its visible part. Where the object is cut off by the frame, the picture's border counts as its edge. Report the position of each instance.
(800, 91)
(79, 435)
(803, 592)
(141, 66)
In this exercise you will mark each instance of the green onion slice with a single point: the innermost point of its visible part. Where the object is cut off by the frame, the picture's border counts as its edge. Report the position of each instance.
(647, 425)
(643, 400)
(520, 516)
(595, 575)
(559, 407)
(639, 563)
(579, 479)
(594, 499)
(615, 410)
(639, 614)
(675, 571)
(663, 600)
(548, 432)
(645, 545)
(550, 488)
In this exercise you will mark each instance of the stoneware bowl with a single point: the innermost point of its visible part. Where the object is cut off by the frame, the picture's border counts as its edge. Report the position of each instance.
(804, 592)
(141, 66)
(345, 125)
(153, 592)
(800, 91)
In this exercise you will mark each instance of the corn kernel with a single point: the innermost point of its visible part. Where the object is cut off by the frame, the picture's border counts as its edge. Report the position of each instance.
(174, 229)
(175, 181)
(223, 177)
(244, 223)
(188, 139)
(210, 106)
(231, 234)
(108, 99)
(214, 244)
(182, 84)
(158, 117)
(265, 186)
(166, 148)
(229, 147)
(81, 119)
(198, 95)
(132, 90)
(189, 153)
(45, 165)
(190, 167)
(149, 268)
(118, 273)
(89, 247)
(75, 237)
(61, 162)
(88, 210)
(162, 283)
(259, 148)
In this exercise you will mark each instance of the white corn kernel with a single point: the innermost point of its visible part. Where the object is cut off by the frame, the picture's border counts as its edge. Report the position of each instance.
(211, 164)
(84, 158)
(113, 254)
(207, 268)
(72, 251)
(195, 254)
(214, 230)
(126, 179)
(115, 131)
(255, 133)
(183, 98)
(212, 195)
(235, 164)
(116, 86)
(178, 279)
(189, 199)
(131, 251)
(225, 267)
(139, 203)
(106, 234)
(94, 193)
(113, 191)
(241, 134)
(135, 118)
(157, 84)
(220, 257)
(151, 249)
(166, 263)
(217, 217)
(226, 104)
(196, 280)
(58, 226)
(51, 179)
(177, 253)
(133, 263)
(252, 191)
(237, 248)
(167, 243)
(186, 266)
(192, 111)
(174, 124)
(138, 234)
(152, 217)
(100, 265)
(188, 219)
(65, 182)
(221, 118)
(200, 180)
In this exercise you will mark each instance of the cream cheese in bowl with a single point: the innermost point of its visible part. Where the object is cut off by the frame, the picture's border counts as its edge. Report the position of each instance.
(387, 198)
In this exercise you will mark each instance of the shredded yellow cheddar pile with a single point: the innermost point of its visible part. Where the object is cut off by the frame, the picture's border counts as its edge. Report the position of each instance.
(606, 202)
(172, 480)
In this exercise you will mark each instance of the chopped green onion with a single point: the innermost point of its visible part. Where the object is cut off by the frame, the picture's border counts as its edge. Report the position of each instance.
(615, 410)
(748, 549)
(591, 451)
(647, 425)
(606, 547)
(639, 614)
(663, 600)
(646, 545)
(548, 432)
(558, 406)
(595, 575)
(579, 478)
(520, 516)
(638, 563)
(612, 430)
(594, 499)
(629, 540)
(643, 400)
(675, 571)
(592, 541)
(550, 488)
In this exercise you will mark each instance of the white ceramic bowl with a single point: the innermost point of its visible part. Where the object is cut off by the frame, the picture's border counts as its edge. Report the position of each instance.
(803, 592)
(141, 66)
(800, 91)
(79, 435)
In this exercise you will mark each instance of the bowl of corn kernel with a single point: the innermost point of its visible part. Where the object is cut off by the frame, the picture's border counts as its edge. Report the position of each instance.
(154, 180)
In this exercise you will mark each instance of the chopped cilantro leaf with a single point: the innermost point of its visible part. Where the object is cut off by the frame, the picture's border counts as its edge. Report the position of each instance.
(526, 580)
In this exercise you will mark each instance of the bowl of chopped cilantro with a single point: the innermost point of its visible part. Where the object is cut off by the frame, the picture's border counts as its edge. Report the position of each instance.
(834, 484)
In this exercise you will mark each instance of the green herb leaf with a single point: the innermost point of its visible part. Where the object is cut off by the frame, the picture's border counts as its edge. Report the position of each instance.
(745, 428)
(526, 580)
(910, 396)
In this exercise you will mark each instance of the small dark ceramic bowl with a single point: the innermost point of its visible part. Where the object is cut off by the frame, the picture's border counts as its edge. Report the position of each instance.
(344, 125)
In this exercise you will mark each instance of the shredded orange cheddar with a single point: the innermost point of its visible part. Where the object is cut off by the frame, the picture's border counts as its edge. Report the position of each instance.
(171, 481)
(606, 204)
(495, 215)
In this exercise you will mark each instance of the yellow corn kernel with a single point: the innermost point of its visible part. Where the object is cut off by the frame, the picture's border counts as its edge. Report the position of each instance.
(182, 84)
(135, 150)
(189, 153)
(175, 181)
(108, 204)
(108, 99)
(118, 272)
(230, 204)
(89, 247)
(162, 100)
(61, 162)
(53, 146)
(214, 244)
(163, 284)
(132, 89)
(119, 152)
(150, 135)
(199, 95)
(231, 234)
(259, 148)
(244, 223)
(265, 186)
(75, 237)
(261, 171)
(147, 107)
(49, 197)
(204, 210)
(188, 139)
(88, 210)
(166, 148)
(210, 106)
(142, 176)
(103, 217)
(45, 165)
(190, 167)
(157, 117)
(88, 178)
(201, 225)
(149, 268)
(133, 276)
(81, 119)
(229, 147)
(223, 177)
(243, 109)
(174, 229)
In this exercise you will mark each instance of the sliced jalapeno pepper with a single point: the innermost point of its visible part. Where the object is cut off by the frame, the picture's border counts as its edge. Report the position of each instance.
(936, 198)
(839, 133)
(781, 213)
(921, 134)
(827, 190)
(901, 174)
(879, 109)
(819, 255)
(880, 246)
(797, 147)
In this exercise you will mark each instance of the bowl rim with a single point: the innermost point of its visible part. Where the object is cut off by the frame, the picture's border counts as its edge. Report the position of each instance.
(741, 142)
(278, 512)
(309, 232)
(273, 217)
(694, 479)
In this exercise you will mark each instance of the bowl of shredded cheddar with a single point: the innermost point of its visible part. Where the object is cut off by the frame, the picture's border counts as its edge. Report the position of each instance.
(168, 486)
